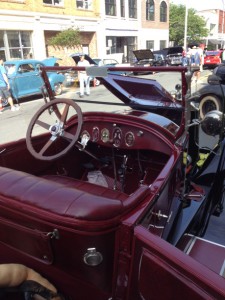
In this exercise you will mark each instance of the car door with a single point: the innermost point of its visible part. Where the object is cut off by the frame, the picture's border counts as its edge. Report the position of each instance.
(27, 80)
(161, 271)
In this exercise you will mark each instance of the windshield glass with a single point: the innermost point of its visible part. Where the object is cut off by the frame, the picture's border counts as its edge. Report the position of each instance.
(10, 68)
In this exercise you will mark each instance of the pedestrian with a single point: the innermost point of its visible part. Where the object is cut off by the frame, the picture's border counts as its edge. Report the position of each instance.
(184, 57)
(192, 52)
(199, 62)
(25, 279)
(5, 88)
(188, 56)
(223, 56)
(83, 78)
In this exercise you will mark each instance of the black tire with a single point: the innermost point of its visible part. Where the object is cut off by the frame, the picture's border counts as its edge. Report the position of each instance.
(209, 103)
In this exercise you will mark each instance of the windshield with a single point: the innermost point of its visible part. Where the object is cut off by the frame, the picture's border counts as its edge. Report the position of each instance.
(10, 68)
(146, 96)
(212, 53)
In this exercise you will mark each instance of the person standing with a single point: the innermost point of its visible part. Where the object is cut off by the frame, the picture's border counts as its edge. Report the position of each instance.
(199, 62)
(83, 78)
(5, 88)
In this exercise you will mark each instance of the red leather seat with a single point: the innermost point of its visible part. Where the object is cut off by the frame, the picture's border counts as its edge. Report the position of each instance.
(64, 196)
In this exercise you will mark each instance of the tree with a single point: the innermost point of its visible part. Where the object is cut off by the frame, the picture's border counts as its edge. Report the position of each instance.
(66, 38)
(196, 25)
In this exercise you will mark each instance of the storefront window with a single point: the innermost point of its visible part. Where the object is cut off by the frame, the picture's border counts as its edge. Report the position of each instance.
(16, 44)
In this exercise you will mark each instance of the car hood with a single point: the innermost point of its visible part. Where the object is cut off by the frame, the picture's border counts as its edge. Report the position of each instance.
(145, 94)
(50, 61)
(76, 58)
(174, 50)
(143, 54)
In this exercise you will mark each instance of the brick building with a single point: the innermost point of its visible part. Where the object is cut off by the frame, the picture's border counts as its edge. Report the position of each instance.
(106, 26)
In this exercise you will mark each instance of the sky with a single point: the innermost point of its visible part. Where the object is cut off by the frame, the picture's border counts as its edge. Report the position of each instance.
(201, 4)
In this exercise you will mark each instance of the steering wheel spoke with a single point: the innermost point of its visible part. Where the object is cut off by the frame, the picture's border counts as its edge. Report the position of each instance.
(65, 113)
(63, 109)
(43, 124)
(46, 146)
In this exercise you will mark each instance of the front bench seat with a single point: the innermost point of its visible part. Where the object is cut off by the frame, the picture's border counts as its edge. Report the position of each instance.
(27, 192)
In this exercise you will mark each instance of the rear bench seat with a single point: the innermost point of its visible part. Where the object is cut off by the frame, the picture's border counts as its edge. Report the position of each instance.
(65, 196)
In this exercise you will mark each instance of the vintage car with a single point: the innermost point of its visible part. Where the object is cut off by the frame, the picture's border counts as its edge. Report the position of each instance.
(25, 79)
(210, 97)
(110, 199)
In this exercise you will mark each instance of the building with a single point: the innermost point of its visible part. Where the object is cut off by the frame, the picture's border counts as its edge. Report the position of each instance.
(127, 25)
(215, 23)
(106, 26)
(26, 26)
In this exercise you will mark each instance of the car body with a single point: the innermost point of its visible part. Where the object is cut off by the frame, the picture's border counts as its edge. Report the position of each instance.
(210, 97)
(111, 62)
(144, 58)
(106, 197)
(174, 55)
(25, 79)
(212, 59)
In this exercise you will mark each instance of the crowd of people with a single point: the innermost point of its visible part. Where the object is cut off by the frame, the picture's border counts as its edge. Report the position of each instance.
(194, 56)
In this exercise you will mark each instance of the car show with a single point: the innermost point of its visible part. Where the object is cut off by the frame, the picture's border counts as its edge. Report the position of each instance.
(112, 150)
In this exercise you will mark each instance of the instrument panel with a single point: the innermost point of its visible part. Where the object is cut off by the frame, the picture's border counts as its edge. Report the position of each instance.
(114, 135)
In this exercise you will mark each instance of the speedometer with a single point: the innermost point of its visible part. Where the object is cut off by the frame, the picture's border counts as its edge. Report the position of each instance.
(117, 136)
(129, 139)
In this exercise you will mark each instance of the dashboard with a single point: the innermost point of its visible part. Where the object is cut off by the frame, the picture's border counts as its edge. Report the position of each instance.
(122, 136)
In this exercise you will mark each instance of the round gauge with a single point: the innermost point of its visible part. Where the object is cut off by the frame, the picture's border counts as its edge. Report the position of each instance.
(95, 134)
(117, 136)
(129, 139)
(105, 135)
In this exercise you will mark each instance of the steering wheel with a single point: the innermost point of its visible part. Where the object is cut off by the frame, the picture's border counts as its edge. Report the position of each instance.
(61, 112)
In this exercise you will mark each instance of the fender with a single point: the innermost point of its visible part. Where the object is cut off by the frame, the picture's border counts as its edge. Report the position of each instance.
(213, 168)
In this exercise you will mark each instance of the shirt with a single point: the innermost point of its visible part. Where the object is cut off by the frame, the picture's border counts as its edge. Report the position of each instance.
(83, 63)
(2, 80)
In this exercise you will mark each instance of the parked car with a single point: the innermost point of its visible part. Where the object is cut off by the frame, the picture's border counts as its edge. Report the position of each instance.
(159, 59)
(212, 59)
(107, 62)
(111, 62)
(71, 76)
(25, 79)
(210, 97)
(144, 58)
(111, 199)
(174, 55)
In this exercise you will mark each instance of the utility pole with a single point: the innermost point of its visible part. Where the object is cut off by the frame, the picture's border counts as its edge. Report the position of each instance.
(185, 26)
(222, 42)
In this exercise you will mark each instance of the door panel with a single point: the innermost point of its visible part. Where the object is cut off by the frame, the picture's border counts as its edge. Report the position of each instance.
(161, 271)
(27, 81)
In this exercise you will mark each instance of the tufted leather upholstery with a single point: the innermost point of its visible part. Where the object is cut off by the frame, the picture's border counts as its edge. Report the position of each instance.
(64, 196)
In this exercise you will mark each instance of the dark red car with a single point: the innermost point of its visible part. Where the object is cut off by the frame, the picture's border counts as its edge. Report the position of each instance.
(212, 59)
(107, 197)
